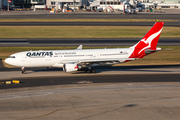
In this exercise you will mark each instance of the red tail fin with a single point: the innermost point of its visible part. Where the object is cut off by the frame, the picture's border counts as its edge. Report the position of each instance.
(149, 41)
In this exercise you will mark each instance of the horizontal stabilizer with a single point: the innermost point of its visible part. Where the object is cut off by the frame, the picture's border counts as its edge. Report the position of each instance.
(148, 51)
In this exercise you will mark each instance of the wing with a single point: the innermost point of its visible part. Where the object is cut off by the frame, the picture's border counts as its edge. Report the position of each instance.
(97, 61)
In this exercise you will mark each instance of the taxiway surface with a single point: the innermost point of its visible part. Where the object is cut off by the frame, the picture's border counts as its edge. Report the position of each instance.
(106, 74)
(110, 101)
(45, 79)
(129, 93)
(84, 41)
(172, 24)
(86, 15)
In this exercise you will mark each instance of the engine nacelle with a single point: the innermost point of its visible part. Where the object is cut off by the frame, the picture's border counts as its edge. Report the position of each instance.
(71, 67)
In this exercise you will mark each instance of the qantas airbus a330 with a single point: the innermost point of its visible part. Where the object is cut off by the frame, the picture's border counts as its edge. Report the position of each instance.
(84, 59)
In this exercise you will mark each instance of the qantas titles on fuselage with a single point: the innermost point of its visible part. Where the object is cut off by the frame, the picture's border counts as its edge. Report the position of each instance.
(39, 54)
(43, 54)
(50, 53)
(73, 60)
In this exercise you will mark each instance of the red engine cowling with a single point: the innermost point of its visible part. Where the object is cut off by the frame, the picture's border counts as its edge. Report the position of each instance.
(70, 67)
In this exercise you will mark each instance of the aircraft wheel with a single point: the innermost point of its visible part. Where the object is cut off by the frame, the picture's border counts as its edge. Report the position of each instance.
(23, 72)
(87, 71)
(93, 71)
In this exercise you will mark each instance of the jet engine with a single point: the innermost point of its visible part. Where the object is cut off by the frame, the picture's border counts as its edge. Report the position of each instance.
(71, 67)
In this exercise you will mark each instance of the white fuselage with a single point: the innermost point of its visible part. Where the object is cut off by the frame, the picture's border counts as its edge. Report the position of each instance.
(55, 58)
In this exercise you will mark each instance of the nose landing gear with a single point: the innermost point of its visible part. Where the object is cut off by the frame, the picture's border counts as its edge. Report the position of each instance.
(23, 70)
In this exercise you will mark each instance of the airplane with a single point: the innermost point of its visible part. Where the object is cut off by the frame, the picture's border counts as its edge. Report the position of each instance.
(84, 59)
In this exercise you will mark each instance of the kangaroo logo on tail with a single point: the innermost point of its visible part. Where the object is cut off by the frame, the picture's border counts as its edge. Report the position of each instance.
(149, 41)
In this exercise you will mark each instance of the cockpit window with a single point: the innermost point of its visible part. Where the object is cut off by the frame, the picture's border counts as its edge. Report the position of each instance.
(11, 56)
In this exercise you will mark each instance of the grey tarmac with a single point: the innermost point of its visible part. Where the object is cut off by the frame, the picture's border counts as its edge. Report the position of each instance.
(129, 93)
(108, 101)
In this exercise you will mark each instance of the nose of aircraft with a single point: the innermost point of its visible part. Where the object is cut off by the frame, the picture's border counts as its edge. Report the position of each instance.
(7, 60)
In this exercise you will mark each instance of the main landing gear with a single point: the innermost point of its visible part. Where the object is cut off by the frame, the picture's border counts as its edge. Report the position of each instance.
(90, 70)
(23, 70)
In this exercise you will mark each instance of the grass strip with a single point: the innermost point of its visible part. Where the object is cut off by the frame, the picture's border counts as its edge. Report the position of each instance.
(164, 57)
(82, 31)
(85, 20)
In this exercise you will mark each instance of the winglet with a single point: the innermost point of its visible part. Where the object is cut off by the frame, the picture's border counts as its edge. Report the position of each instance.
(80, 47)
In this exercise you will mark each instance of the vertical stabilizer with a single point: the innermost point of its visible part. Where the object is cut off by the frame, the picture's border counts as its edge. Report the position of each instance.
(149, 41)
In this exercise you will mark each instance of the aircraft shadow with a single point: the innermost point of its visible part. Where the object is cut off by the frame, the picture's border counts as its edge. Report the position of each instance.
(133, 68)
(112, 68)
